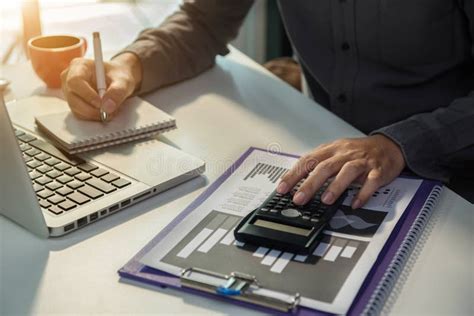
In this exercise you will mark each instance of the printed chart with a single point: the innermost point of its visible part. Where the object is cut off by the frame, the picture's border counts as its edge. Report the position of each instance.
(211, 246)
(272, 172)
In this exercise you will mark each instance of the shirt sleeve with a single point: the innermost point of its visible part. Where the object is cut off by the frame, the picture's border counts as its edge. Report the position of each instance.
(440, 144)
(188, 41)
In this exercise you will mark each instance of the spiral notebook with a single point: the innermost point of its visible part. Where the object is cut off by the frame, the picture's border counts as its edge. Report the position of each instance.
(136, 119)
(202, 273)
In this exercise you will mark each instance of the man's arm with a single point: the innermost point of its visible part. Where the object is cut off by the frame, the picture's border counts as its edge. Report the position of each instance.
(437, 144)
(187, 42)
(184, 45)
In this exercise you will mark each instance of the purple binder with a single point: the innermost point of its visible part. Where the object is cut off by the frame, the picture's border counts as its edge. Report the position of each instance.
(140, 273)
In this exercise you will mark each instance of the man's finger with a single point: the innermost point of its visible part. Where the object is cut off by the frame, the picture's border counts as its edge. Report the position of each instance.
(64, 82)
(82, 109)
(323, 171)
(116, 93)
(79, 116)
(371, 184)
(349, 172)
(301, 169)
(79, 79)
(81, 69)
(83, 89)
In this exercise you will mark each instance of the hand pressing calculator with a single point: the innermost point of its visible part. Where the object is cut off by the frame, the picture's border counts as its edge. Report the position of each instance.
(280, 224)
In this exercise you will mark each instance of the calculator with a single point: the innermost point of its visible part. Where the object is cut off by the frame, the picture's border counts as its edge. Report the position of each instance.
(280, 224)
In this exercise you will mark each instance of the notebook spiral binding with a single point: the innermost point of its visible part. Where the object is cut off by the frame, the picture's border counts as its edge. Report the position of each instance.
(144, 135)
(395, 269)
(130, 132)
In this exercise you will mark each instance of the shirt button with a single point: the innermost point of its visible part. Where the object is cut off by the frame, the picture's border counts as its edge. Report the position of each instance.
(345, 46)
(342, 98)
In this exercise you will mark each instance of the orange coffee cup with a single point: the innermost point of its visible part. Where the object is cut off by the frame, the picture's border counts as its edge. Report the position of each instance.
(51, 54)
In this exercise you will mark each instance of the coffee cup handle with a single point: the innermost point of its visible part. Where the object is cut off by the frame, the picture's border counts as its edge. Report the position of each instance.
(85, 44)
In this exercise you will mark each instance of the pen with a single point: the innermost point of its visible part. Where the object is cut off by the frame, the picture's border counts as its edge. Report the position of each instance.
(99, 72)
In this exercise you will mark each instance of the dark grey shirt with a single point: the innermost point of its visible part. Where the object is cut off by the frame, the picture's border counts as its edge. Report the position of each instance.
(403, 68)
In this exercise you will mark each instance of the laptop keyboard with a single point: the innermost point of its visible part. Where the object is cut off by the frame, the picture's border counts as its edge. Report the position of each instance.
(63, 183)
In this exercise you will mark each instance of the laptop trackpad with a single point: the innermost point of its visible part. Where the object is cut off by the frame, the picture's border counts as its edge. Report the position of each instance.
(151, 162)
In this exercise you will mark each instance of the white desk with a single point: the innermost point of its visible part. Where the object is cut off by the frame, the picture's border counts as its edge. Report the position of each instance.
(220, 114)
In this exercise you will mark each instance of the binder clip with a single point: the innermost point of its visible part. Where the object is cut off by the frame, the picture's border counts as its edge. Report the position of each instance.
(239, 286)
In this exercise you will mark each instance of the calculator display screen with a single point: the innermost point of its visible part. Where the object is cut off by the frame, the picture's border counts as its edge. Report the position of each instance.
(282, 227)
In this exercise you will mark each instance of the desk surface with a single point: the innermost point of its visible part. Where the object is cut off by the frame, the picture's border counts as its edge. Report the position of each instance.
(220, 114)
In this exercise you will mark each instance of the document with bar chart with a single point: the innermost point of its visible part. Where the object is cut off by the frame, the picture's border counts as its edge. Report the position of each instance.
(328, 279)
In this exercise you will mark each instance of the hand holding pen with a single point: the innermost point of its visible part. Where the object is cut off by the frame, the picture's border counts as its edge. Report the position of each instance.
(90, 99)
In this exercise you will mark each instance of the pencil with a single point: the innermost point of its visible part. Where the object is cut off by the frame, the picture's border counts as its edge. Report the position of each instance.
(99, 72)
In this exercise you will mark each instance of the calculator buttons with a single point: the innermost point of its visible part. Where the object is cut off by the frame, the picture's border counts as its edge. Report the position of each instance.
(281, 205)
(290, 212)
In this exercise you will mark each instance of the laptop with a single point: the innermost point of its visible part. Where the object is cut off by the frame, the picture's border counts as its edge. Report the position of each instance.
(52, 194)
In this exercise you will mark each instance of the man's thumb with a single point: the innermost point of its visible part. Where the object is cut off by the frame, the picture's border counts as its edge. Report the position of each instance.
(114, 96)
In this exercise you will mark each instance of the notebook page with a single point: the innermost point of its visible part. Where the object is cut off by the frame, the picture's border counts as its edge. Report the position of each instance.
(136, 116)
